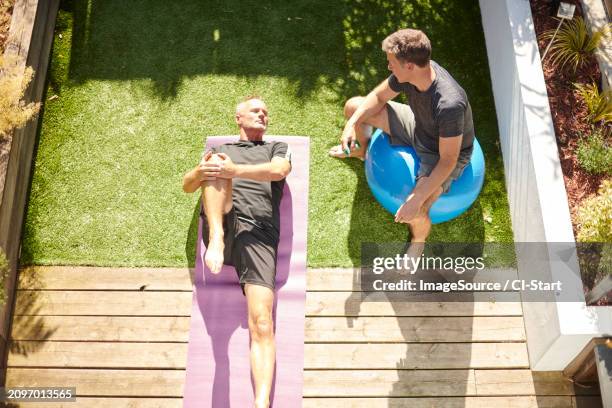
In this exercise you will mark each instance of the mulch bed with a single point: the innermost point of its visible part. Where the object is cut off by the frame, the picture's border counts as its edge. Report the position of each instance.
(568, 111)
(6, 10)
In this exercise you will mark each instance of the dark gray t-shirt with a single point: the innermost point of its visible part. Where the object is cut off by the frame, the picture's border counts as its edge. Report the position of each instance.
(441, 111)
(256, 200)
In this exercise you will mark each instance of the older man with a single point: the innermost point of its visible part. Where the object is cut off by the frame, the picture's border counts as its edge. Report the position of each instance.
(242, 185)
(437, 122)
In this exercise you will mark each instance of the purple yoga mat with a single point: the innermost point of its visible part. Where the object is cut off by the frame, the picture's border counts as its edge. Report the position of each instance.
(218, 367)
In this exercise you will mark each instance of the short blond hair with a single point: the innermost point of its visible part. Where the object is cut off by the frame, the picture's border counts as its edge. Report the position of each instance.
(409, 45)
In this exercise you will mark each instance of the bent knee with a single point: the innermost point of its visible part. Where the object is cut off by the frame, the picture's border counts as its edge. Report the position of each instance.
(214, 158)
(352, 104)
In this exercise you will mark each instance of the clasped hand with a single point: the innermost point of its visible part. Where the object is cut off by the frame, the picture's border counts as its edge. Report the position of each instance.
(216, 166)
(408, 210)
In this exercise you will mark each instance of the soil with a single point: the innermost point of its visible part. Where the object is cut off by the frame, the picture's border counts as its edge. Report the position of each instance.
(6, 10)
(568, 111)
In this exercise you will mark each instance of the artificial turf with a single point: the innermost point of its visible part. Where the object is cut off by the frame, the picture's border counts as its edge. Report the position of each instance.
(135, 87)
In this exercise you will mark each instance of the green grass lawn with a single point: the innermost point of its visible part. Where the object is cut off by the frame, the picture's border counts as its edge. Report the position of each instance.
(136, 87)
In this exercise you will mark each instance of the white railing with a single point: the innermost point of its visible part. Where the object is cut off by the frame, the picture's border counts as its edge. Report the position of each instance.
(556, 331)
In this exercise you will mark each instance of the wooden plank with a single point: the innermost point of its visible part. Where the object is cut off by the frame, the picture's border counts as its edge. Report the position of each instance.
(415, 356)
(110, 403)
(101, 328)
(92, 355)
(388, 383)
(414, 329)
(95, 278)
(441, 402)
(587, 402)
(523, 382)
(348, 279)
(33, 302)
(352, 304)
(118, 383)
(179, 304)
(426, 383)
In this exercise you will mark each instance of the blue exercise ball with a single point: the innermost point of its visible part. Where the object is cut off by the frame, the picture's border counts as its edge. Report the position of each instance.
(391, 173)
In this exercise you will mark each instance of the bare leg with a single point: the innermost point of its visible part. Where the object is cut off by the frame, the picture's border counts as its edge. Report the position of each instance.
(363, 133)
(260, 300)
(217, 200)
(420, 226)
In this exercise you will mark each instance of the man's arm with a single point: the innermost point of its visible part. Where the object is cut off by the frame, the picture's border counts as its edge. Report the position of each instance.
(373, 103)
(449, 148)
(193, 179)
(277, 169)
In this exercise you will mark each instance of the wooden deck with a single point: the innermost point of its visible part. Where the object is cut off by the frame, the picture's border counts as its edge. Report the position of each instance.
(120, 337)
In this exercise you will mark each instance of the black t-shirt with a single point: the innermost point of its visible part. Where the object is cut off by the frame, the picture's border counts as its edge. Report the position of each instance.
(441, 111)
(254, 200)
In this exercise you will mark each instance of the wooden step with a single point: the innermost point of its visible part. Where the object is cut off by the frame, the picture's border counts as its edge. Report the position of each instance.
(317, 356)
(352, 304)
(318, 329)
(99, 278)
(88, 382)
(416, 356)
(422, 383)
(414, 329)
(103, 303)
(93, 354)
(455, 402)
(101, 328)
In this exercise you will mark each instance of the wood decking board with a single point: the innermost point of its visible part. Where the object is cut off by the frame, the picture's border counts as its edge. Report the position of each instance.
(120, 337)
(415, 329)
(348, 304)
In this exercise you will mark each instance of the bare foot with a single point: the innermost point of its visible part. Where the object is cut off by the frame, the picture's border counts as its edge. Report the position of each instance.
(338, 153)
(214, 254)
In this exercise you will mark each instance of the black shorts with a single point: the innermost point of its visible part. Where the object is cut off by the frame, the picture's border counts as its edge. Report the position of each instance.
(250, 247)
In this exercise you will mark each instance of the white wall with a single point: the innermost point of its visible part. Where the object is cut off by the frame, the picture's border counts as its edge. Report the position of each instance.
(556, 331)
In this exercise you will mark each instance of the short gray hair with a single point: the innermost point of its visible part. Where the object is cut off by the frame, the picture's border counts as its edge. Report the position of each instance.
(245, 100)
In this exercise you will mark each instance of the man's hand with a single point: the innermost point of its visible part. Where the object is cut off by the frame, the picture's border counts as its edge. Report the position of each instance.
(409, 210)
(208, 170)
(227, 168)
(348, 137)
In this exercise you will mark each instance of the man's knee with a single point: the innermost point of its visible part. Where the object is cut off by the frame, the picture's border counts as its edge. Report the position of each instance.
(351, 105)
(261, 325)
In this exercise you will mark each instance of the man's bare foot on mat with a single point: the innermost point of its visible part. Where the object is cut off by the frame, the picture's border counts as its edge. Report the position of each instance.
(214, 254)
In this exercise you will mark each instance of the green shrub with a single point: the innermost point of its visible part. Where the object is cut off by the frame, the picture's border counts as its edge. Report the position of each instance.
(574, 44)
(599, 104)
(595, 216)
(595, 154)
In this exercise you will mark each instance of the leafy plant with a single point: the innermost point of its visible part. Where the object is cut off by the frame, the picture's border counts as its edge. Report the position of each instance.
(574, 44)
(595, 216)
(599, 104)
(594, 153)
(15, 112)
